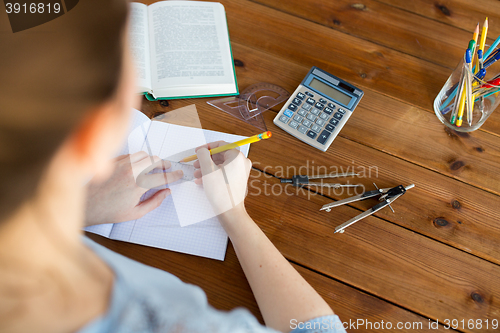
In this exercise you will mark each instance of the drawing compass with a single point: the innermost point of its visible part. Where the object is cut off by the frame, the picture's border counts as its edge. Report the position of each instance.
(387, 196)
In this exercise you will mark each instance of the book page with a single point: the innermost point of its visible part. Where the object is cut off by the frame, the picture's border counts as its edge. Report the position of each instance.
(190, 49)
(139, 45)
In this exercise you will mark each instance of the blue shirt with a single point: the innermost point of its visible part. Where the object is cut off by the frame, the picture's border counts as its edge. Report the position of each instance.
(146, 299)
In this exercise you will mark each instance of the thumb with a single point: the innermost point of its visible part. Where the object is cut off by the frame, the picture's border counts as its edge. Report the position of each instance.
(206, 164)
(154, 202)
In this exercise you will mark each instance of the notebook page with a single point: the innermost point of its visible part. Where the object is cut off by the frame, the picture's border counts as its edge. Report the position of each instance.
(151, 141)
(138, 129)
(162, 227)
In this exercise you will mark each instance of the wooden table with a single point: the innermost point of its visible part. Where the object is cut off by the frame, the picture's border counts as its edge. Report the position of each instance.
(437, 257)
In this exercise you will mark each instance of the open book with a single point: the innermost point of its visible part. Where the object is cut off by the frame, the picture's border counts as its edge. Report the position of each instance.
(181, 49)
(185, 221)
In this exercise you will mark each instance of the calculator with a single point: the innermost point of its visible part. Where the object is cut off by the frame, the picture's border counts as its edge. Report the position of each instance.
(319, 108)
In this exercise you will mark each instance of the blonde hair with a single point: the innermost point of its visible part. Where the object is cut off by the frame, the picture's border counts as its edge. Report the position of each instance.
(50, 75)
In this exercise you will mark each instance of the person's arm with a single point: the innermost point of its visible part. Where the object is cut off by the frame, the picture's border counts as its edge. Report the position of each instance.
(281, 292)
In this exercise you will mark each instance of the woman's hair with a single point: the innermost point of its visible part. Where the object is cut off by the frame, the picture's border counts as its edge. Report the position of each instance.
(50, 75)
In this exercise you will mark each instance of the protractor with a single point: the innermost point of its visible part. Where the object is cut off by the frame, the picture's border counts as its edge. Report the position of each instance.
(260, 97)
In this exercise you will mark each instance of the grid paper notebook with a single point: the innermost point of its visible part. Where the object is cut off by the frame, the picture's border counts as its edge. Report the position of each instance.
(200, 233)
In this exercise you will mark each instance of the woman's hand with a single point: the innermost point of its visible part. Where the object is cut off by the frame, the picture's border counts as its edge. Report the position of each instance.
(224, 176)
(118, 198)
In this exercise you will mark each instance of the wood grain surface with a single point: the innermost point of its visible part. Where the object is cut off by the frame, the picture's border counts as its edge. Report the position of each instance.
(437, 257)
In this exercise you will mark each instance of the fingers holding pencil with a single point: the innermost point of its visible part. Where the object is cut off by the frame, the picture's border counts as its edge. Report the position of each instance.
(231, 161)
(217, 158)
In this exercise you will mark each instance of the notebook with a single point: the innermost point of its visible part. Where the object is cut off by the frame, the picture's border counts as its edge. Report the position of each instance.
(201, 233)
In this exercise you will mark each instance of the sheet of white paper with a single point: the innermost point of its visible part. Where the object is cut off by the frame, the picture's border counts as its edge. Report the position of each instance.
(184, 194)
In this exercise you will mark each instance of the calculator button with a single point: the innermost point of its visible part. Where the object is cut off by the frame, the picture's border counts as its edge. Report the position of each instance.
(310, 101)
(324, 116)
(298, 118)
(297, 101)
(319, 106)
(288, 113)
(311, 134)
(338, 115)
(334, 122)
(307, 107)
(316, 128)
(302, 129)
(284, 119)
(323, 137)
(292, 107)
(311, 117)
(341, 111)
(307, 123)
(322, 101)
(300, 95)
(302, 112)
(309, 94)
(328, 127)
(331, 105)
(293, 124)
(328, 110)
(315, 111)
(320, 122)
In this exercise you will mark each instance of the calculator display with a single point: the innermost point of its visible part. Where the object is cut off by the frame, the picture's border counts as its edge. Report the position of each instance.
(330, 91)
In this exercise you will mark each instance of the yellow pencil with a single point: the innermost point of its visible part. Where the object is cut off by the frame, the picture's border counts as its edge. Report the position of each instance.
(484, 32)
(476, 33)
(233, 145)
(474, 38)
(461, 106)
(465, 93)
